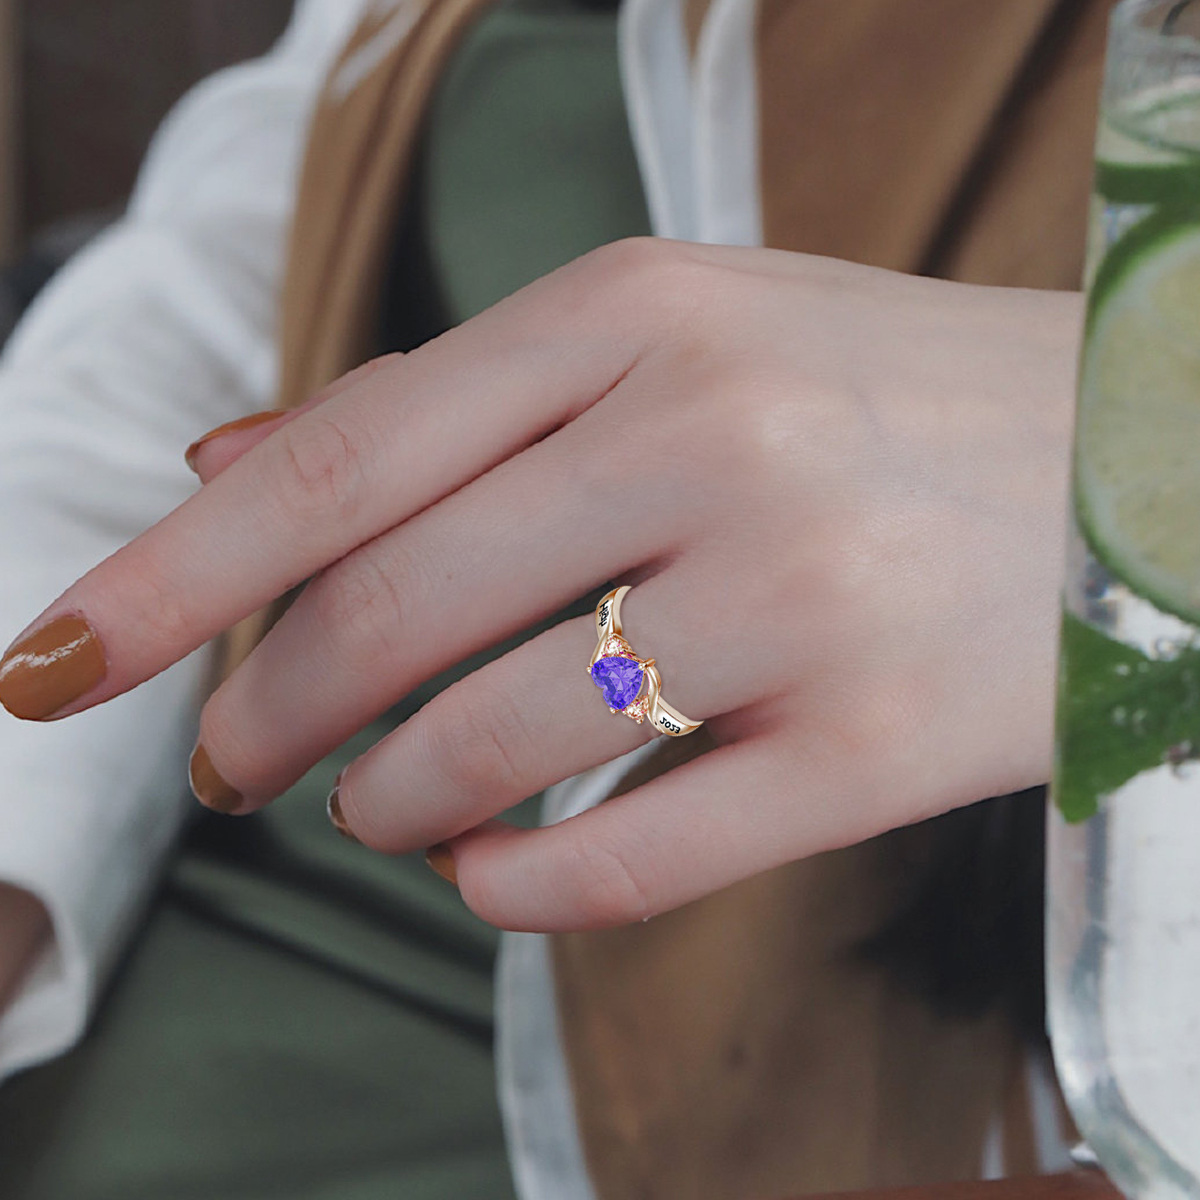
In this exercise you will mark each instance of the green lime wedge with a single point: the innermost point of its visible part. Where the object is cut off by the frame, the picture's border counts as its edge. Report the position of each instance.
(1137, 470)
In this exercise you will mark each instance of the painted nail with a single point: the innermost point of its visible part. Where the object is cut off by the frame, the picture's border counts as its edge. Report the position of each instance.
(333, 806)
(211, 790)
(441, 858)
(47, 670)
(189, 455)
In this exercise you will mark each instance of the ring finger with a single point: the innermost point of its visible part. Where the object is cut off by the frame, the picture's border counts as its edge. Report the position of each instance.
(528, 720)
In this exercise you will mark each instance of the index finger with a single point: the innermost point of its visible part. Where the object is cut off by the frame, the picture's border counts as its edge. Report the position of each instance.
(409, 433)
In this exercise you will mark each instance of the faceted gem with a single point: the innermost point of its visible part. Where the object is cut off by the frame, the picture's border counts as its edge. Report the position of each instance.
(620, 679)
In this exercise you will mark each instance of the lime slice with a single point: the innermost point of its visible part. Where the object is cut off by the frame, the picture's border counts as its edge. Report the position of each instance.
(1137, 468)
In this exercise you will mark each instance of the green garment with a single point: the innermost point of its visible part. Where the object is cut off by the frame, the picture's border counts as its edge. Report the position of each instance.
(299, 1017)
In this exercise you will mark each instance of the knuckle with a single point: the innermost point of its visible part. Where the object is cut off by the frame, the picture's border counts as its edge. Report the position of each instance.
(163, 614)
(608, 888)
(480, 747)
(633, 256)
(774, 431)
(878, 718)
(649, 276)
(319, 468)
(359, 607)
(884, 721)
(738, 439)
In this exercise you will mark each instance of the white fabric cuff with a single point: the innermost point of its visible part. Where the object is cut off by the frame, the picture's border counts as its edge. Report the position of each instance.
(89, 844)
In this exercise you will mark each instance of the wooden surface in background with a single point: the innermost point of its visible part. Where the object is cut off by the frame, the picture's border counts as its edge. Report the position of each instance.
(1071, 1185)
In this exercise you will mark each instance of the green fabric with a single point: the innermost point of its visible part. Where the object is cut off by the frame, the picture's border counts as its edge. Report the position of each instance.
(528, 164)
(533, 163)
(299, 1017)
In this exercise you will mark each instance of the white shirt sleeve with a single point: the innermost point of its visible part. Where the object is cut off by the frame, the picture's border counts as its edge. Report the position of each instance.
(694, 120)
(159, 330)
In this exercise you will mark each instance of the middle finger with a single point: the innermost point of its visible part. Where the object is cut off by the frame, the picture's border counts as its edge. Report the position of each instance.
(513, 547)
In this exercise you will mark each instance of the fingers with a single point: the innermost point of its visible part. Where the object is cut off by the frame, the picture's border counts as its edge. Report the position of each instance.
(385, 448)
(514, 547)
(527, 720)
(686, 833)
(485, 564)
(511, 728)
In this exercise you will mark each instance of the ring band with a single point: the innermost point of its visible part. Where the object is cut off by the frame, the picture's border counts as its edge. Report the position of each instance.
(623, 677)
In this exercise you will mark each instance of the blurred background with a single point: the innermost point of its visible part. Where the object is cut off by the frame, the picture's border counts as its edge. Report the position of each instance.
(83, 84)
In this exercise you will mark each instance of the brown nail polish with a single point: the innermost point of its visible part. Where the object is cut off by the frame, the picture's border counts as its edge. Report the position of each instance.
(441, 858)
(333, 806)
(48, 669)
(189, 455)
(211, 790)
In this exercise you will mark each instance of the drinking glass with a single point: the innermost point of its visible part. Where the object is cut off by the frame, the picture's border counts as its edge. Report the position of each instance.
(1123, 889)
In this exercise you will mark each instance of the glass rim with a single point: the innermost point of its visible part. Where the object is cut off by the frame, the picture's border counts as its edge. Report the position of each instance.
(1124, 21)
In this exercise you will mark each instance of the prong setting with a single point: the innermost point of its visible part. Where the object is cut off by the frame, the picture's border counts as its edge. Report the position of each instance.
(631, 685)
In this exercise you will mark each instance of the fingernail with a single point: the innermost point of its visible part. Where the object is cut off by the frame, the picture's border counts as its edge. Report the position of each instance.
(211, 790)
(47, 670)
(333, 806)
(189, 455)
(441, 859)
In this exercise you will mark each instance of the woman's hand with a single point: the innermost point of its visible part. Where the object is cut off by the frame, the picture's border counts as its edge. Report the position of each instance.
(839, 493)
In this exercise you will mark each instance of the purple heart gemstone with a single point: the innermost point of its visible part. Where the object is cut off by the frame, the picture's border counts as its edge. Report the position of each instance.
(620, 679)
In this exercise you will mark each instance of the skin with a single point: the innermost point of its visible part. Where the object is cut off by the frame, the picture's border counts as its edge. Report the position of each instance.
(838, 491)
(25, 923)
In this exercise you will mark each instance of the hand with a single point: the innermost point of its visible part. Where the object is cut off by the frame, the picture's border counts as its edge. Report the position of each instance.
(839, 493)
(24, 923)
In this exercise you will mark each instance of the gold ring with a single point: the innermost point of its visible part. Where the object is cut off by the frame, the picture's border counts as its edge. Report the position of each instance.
(623, 677)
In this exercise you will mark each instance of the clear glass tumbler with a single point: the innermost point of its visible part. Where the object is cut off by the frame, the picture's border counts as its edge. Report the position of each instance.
(1123, 902)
